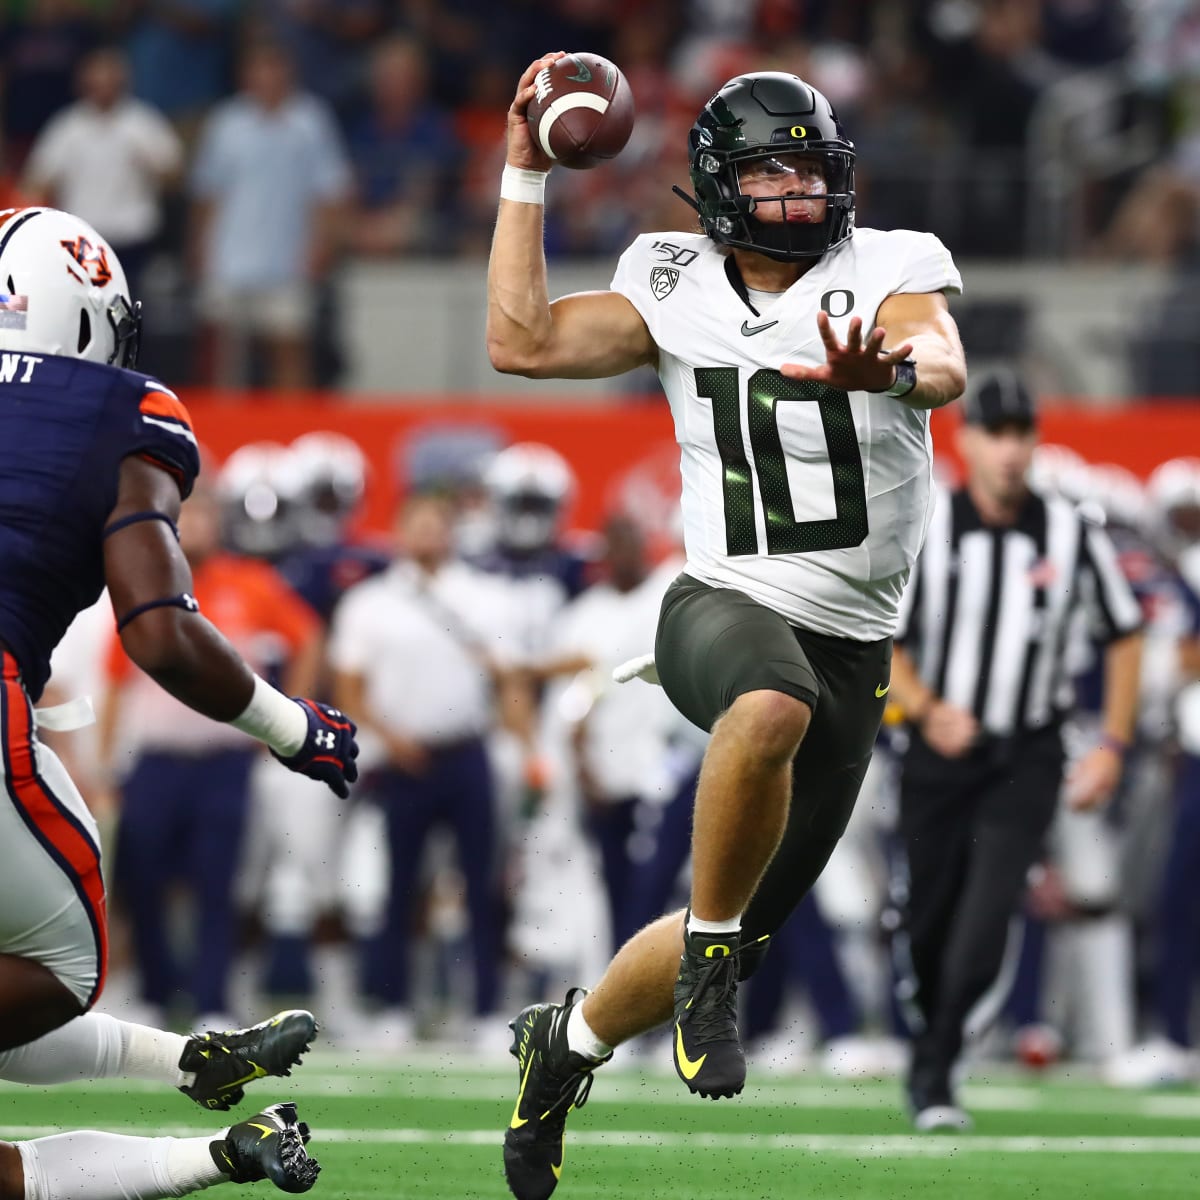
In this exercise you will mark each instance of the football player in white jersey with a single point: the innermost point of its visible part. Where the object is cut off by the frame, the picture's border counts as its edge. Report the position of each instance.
(800, 358)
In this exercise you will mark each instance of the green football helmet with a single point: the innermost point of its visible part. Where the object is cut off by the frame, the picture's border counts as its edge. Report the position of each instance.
(757, 116)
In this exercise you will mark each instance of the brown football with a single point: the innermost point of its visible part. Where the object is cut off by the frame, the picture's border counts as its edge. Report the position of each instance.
(582, 114)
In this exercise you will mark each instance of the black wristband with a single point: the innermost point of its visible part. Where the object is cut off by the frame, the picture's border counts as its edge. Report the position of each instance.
(149, 515)
(184, 600)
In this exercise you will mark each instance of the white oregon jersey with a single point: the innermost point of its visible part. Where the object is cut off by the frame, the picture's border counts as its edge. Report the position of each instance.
(815, 509)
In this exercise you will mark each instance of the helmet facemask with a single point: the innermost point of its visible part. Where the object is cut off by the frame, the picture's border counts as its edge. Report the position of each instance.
(125, 320)
(761, 223)
(754, 120)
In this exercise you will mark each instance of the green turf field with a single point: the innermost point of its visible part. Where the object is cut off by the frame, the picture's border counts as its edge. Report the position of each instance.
(433, 1129)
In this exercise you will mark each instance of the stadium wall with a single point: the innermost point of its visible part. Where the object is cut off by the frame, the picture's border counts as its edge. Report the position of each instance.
(622, 453)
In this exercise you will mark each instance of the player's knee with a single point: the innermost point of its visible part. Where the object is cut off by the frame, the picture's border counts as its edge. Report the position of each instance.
(771, 725)
(12, 1173)
(34, 1001)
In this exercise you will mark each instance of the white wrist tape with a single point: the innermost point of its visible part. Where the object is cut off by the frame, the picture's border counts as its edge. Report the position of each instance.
(526, 187)
(273, 719)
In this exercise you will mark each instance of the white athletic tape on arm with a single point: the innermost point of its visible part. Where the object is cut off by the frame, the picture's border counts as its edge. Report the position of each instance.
(566, 104)
(274, 719)
(526, 187)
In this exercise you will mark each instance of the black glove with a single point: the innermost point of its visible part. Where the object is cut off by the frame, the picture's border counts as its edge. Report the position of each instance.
(329, 750)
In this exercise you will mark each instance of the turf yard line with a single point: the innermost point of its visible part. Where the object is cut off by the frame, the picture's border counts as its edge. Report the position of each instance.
(845, 1145)
(666, 1092)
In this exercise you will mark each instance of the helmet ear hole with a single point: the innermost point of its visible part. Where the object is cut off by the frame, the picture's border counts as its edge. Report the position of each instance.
(85, 331)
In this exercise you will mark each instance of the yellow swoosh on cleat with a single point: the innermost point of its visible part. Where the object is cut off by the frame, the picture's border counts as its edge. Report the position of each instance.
(267, 1130)
(687, 1068)
(257, 1073)
(558, 1170)
(518, 1120)
(882, 690)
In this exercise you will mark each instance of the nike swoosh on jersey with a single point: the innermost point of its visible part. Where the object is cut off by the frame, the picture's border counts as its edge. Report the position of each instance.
(749, 330)
(882, 690)
(688, 1068)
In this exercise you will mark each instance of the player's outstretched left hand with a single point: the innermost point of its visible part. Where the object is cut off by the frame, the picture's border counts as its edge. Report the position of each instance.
(329, 750)
(857, 366)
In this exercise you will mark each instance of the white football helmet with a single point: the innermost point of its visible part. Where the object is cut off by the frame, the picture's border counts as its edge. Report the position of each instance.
(1121, 494)
(529, 486)
(1059, 470)
(63, 290)
(1173, 491)
(330, 479)
(257, 489)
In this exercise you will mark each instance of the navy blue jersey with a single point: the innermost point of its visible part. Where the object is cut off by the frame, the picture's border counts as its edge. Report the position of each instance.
(322, 573)
(65, 426)
(565, 567)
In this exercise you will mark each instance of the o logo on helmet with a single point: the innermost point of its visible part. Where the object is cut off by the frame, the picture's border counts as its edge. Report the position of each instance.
(798, 131)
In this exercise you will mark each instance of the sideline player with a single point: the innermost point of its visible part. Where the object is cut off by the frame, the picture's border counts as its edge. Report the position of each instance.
(95, 461)
(806, 460)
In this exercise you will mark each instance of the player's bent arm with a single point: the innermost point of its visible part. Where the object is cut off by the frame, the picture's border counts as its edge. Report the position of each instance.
(923, 319)
(179, 649)
(588, 335)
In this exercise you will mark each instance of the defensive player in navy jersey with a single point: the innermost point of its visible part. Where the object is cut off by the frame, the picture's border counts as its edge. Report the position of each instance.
(95, 461)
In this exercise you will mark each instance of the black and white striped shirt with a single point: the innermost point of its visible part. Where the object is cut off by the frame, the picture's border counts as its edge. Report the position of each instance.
(991, 615)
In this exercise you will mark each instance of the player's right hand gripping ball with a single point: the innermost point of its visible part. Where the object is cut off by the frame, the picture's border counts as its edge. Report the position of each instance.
(582, 114)
(329, 750)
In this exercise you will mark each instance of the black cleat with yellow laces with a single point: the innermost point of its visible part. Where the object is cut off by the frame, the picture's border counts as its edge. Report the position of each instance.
(554, 1081)
(224, 1062)
(707, 1050)
(270, 1145)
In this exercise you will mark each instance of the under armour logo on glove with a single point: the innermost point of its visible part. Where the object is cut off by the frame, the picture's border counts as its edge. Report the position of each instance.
(329, 750)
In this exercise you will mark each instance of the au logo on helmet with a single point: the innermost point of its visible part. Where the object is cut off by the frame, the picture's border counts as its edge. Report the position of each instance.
(93, 259)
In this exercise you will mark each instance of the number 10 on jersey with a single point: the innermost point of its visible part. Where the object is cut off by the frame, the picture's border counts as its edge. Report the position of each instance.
(766, 390)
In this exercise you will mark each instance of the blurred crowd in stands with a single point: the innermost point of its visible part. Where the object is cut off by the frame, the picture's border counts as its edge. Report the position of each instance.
(235, 151)
(518, 813)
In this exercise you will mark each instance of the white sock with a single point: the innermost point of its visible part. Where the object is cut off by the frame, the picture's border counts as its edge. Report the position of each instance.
(695, 925)
(582, 1039)
(110, 1166)
(154, 1054)
(97, 1046)
(190, 1163)
(89, 1047)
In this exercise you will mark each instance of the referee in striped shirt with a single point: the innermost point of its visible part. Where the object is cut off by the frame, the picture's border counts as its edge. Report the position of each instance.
(1007, 583)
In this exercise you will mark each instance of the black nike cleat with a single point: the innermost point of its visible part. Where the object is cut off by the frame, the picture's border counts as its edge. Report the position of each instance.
(707, 1051)
(225, 1062)
(554, 1080)
(270, 1145)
